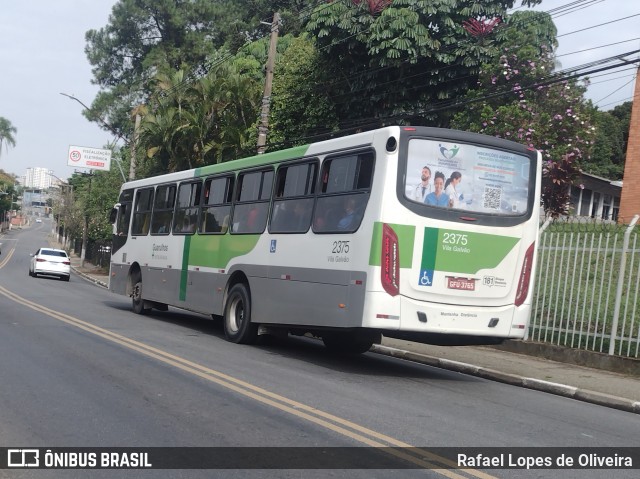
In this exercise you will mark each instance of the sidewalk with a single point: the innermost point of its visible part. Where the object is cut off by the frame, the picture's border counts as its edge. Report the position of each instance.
(618, 387)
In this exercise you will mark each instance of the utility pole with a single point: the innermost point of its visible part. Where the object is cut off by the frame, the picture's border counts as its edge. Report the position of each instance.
(85, 231)
(266, 98)
(134, 144)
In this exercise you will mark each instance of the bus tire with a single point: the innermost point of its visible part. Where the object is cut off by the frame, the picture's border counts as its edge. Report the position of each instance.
(137, 303)
(238, 327)
(347, 342)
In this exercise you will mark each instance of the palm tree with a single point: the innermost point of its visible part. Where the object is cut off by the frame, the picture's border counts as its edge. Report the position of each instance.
(7, 130)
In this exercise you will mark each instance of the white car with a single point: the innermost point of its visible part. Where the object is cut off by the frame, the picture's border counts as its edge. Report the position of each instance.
(51, 262)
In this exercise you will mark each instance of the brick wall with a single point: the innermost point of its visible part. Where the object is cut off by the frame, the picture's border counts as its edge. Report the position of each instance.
(630, 199)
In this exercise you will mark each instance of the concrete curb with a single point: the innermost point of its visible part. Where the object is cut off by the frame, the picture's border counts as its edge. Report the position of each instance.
(89, 278)
(585, 395)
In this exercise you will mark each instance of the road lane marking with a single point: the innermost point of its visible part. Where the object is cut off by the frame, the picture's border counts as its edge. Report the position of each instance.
(420, 457)
(6, 258)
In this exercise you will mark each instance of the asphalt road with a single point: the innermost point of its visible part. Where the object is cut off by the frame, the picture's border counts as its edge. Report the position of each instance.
(78, 369)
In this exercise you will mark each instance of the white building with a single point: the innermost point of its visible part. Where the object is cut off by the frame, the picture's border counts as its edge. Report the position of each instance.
(38, 178)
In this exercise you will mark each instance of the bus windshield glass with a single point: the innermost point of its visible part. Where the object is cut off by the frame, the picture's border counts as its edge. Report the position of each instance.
(467, 177)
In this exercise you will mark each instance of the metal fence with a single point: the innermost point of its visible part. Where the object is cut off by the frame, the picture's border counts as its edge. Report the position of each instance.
(97, 253)
(587, 287)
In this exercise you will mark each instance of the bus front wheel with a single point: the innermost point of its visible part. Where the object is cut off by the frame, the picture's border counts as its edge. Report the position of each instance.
(238, 327)
(136, 298)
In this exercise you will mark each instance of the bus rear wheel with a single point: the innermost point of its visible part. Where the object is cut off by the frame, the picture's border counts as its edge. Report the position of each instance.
(238, 327)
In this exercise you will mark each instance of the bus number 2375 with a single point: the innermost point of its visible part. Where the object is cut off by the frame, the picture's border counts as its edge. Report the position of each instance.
(340, 247)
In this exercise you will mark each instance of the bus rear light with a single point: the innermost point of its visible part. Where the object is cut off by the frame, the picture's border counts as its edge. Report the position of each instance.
(525, 276)
(390, 261)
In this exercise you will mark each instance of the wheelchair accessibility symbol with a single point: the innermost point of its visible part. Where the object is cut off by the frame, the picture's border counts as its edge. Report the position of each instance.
(426, 277)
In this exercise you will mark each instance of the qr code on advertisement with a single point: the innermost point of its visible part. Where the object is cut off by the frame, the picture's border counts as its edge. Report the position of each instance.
(492, 197)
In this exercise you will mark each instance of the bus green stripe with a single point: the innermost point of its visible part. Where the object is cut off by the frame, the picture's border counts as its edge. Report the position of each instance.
(185, 269)
(430, 248)
(253, 161)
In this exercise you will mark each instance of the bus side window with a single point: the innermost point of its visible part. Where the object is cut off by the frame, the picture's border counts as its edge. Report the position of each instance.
(142, 212)
(124, 215)
(253, 194)
(216, 205)
(293, 205)
(186, 214)
(162, 216)
(345, 187)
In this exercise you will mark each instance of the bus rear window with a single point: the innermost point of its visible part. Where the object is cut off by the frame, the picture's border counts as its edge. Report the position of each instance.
(467, 177)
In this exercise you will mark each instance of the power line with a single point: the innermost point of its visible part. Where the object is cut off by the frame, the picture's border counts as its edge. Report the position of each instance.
(610, 79)
(598, 25)
(598, 47)
(624, 100)
(615, 91)
(567, 9)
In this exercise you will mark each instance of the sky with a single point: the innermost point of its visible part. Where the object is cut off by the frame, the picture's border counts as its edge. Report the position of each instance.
(42, 55)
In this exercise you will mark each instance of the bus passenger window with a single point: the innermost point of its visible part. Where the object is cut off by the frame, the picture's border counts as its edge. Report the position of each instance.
(345, 187)
(216, 205)
(252, 202)
(186, 214)
(142, 212)
(292, 208)
(163, 203)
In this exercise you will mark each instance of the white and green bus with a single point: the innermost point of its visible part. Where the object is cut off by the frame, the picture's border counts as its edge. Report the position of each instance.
(416, 233)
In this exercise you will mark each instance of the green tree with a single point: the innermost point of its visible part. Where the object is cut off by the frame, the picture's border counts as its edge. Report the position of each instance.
(8, 192)
(146, 37)
(301, 103)
(394, 60)
(607, 159)
(623, 114)
(7, 132)
(204, 122)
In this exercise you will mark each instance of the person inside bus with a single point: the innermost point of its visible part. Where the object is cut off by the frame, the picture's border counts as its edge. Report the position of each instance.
(424, 187)
(348, 220)
(450, 188)
(300, 218)
(187, 226)
(438, 197)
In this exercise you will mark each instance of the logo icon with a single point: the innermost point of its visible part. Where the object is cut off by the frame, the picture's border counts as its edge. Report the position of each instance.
(273, 246)
(449, 153)
(23, 457)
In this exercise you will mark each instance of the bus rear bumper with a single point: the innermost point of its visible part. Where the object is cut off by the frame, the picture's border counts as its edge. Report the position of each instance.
(406, 318)
(496, 321)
